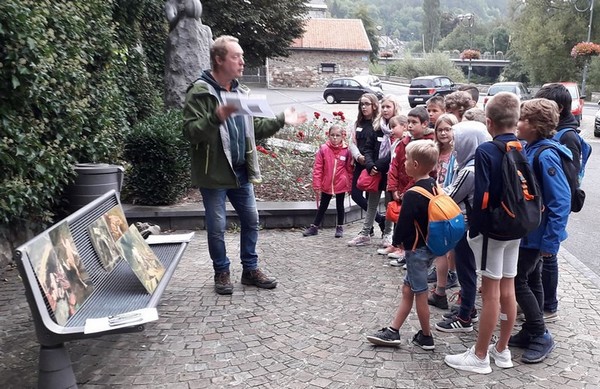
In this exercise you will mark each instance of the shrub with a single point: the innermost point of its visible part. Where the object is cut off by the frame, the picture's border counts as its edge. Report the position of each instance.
(431, 64)
(60, 103)
(159, 163)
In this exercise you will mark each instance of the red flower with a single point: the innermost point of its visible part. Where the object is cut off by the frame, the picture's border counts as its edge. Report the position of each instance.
(317, 115)
(262, 149)
(300, 135)
(325, 120)
(299, 179)
(273, 155)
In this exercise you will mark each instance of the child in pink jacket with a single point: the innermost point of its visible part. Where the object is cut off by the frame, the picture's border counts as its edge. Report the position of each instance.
(332, 175)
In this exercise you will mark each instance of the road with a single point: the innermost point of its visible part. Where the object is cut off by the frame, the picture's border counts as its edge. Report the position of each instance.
(582, 242)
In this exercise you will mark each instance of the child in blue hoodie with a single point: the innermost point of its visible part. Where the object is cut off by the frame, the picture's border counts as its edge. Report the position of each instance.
(537, 125)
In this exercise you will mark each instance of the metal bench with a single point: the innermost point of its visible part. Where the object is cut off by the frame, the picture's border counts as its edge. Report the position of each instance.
(115, 292)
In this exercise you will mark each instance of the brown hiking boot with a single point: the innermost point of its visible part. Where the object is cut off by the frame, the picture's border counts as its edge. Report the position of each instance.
(223, 283)
(258, 278)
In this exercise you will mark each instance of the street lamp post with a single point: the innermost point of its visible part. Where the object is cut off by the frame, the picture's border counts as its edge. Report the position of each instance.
(468, 20)
(589, 7)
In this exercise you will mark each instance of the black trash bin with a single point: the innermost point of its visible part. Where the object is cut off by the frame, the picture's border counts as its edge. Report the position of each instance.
(92, 181)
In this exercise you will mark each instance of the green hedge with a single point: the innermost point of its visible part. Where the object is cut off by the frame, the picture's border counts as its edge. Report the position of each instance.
(158, 161)
(73, 81)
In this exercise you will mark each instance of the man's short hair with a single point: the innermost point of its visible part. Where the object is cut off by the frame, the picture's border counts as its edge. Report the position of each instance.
(471, 90)
(424, 151)
(542, 115)
(559, 94)
(420, 113)
(475, 114)
(503, 110)
(436, 100)
(219, 49)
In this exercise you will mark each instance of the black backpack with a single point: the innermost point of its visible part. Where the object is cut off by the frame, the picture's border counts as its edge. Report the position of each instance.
(520, 209)
(571, 172)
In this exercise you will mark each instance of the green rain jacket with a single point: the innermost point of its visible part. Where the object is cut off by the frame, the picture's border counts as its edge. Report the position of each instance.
(210, 141)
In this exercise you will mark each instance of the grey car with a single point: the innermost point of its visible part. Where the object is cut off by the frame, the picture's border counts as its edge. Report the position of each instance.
(518, 88)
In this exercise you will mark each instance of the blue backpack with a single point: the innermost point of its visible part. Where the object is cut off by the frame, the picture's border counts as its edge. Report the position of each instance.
(446, 223)
(586, 149)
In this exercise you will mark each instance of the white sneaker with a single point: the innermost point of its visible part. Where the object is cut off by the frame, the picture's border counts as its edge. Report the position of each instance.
(503, 359)
(360, 240)
(468, 361)
(386, 251)
(396, 254)
(386, 241)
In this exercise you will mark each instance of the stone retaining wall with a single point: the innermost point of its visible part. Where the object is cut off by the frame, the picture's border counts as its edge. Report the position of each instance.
(302, 69)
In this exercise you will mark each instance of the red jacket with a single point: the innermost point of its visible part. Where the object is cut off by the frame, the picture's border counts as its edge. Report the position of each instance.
(332, 171)
(398, 180)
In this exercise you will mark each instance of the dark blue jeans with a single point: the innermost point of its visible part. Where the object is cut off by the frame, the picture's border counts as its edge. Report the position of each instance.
(467, 276)
(529, 291)
(550, 282)
(243, 201)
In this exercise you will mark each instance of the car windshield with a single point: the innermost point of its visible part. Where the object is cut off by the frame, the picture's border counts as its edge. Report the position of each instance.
(573, 91)
(501, 88)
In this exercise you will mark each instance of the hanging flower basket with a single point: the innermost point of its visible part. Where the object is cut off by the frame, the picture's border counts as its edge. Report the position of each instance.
(470, 54)
(585, 49)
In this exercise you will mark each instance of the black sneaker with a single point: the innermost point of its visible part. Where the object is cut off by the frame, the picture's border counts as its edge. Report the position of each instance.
(438, 301)
(454, 312)
(223, 283)
(520, 339)
(372, 232)
(385, 337)
(423, 341)
(454, 324)
(259, 279)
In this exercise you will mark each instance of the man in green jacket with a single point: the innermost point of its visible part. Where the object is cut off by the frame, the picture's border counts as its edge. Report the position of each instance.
(224, 160)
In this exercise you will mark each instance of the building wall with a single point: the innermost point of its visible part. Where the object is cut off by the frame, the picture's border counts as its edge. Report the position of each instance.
(302, 69)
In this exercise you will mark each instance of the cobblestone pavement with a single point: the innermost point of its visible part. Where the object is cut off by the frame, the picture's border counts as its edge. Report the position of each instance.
(307, 333)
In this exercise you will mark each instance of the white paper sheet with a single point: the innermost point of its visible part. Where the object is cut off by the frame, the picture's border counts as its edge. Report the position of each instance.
(127, 319)
(169, 238)
(252, 105)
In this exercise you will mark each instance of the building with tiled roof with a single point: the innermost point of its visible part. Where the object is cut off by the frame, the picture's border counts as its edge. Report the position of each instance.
(329, 48)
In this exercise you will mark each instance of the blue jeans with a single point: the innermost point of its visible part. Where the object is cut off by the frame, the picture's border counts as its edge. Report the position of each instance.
(550, 282)
(243, 201)
(466, 271)
(529, 291)
(417, 264)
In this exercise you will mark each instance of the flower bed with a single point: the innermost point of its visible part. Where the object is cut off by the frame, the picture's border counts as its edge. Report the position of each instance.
(287, 168)
(470, 54)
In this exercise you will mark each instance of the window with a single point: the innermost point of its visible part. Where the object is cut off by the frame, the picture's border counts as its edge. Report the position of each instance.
(327, 67)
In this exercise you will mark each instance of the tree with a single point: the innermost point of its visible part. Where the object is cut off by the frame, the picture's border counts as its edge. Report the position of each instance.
(363, 14)
(543, 34)
(431, 24)
(265, 28)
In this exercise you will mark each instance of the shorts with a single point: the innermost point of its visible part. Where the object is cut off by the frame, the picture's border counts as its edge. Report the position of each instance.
(417, 264)
(501, 259)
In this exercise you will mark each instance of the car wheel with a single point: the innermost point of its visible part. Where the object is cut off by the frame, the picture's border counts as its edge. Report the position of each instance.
(330, 99)
(412, 105)
(597, 131)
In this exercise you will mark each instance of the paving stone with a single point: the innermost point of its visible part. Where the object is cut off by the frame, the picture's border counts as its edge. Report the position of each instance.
(307, 333)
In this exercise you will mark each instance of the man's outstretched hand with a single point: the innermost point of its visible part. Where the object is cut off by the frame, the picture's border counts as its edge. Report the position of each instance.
(294, 118)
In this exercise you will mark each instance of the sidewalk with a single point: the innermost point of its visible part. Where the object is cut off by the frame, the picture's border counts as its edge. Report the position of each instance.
(307, 333)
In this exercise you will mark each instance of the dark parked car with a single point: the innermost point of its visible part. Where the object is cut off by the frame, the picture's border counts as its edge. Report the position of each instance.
(513, 87)
(348, 89)
(423, 88)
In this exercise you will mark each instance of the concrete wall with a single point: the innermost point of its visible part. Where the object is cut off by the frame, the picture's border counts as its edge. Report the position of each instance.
(302, 68)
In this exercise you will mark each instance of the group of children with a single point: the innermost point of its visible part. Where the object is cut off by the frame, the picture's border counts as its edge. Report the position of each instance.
(458, 156)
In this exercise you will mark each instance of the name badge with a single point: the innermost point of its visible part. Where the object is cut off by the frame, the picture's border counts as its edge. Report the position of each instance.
(393, 155)
(358, 129)
(342, 158)
(380, 139)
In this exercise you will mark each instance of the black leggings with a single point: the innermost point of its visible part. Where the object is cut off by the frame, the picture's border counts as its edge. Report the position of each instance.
(339, 206)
